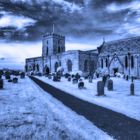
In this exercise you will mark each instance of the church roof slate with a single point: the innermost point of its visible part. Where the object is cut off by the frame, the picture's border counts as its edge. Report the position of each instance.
(122, 46)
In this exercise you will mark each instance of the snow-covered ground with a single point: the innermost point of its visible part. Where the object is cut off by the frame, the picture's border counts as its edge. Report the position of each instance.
(27, 112)
(118, 100)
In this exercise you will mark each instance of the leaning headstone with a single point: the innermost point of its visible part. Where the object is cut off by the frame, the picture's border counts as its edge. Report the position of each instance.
(1, 83)
(15, 80)
(81, 85)
(100, 88)
(74, 81)
(110, 85)
(132, 89)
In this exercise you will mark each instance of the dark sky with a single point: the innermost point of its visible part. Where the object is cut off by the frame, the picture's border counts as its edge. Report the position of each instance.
(81, 21)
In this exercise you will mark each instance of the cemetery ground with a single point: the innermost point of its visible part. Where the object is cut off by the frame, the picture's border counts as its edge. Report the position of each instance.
(119, 100)
(29, 113)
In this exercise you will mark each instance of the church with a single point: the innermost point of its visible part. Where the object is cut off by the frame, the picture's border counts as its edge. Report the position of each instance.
(122, 56)
(54, 56)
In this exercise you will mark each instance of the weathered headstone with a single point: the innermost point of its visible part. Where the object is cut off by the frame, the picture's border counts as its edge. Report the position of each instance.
(15, 80)
(55, 78)
(110, 85)
(22, 75)
(132, 89)
(81, 85)
(1, 83)
(74, 81)
(100, 88)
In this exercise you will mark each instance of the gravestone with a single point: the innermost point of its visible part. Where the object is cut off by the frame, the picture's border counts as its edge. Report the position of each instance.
(100, 88)
(1, 83)
(127, 78)
(110, 85)
(15, 80)
(74, 81)
(132, 89)
(55, 78)
(90, 79)
(81, 85)
(22, 75)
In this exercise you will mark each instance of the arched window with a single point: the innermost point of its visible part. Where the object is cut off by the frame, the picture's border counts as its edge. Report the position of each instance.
(126, 61)
(86, 66)
(92, 67)
(69, 65)
(47, 51)
(102, 63)
(106, 62)
(132, 62)
(59, 49)
(56, 66)
(37, 67)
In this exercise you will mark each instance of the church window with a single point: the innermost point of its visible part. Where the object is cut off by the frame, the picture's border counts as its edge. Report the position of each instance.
(37, 67)
(92, 66)
(69, 65)
(102, 63)
(86, 66)
(106, 62)
(47, 51)
(126, 61)
(59, 49)
(132, 62)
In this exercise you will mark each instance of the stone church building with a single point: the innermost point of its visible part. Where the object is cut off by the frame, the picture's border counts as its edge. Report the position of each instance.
(121, 56)
(54, 56)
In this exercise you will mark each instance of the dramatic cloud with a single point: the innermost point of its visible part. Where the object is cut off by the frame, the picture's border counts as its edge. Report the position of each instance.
(19, 22)
(81, 21)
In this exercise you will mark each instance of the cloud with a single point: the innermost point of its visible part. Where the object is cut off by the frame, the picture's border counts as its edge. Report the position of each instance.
(19, 22)
(115, 7)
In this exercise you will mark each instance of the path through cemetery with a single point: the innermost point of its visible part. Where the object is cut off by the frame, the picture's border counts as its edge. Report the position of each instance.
(115, 124)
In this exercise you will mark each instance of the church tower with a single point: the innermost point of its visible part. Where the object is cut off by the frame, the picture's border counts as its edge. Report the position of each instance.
(53, 44)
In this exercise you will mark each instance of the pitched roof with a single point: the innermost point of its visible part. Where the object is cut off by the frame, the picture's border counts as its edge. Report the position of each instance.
(122, 46)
